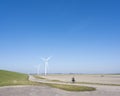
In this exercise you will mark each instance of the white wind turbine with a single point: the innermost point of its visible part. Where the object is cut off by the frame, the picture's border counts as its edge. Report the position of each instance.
(45, 60)
(37, 69)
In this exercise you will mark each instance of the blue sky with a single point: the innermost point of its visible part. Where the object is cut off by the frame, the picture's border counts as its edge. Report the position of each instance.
(82, 36)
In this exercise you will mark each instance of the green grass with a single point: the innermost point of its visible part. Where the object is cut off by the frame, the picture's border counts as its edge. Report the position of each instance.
(57, 81)
(8, 78)
(39, 77)
(98, 83)
(72, 87)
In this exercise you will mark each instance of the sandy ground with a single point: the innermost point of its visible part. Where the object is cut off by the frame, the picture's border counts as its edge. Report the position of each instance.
(48, 91)
(102, 90)
(105, 79)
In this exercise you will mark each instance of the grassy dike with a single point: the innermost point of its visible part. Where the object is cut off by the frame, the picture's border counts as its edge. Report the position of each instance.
(8, 78)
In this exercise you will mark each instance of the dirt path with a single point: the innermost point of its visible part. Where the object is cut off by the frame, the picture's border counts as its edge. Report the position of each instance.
(48, 91)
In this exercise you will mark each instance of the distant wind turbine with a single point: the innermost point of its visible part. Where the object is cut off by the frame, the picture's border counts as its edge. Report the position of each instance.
(45, 60)
(37, 69)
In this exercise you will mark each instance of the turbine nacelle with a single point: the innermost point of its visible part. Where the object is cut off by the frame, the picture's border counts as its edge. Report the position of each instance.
(46, 59)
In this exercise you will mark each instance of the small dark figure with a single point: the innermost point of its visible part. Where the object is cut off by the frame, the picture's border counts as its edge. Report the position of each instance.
(73, 80)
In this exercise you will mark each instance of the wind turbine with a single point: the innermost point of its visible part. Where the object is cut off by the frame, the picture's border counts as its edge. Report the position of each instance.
(37, 69)
(45, 60)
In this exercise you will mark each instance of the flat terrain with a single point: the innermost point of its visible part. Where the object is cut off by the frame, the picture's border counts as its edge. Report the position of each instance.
(97, 80)
(102, 79)
(49, 91)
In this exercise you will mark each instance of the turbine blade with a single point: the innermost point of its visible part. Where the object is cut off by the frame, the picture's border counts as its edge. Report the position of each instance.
(49, 58)
(43, 59)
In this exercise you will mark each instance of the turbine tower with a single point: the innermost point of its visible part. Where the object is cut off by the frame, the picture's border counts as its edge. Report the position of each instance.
(45, 60)
(38, 69)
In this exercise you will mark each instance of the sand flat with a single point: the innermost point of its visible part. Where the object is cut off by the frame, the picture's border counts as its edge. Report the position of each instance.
(105, 79)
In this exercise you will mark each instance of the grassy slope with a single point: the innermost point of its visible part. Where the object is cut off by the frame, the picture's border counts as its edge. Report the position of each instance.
(13, 78)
